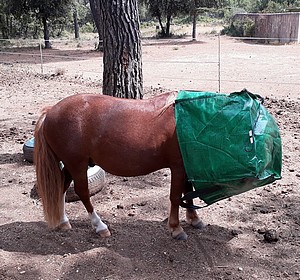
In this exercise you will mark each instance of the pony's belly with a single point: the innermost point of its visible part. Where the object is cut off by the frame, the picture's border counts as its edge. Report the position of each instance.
(131, 164)
(127, 161)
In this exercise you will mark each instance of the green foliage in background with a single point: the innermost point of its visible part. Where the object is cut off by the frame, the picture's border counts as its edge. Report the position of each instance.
(23, 18)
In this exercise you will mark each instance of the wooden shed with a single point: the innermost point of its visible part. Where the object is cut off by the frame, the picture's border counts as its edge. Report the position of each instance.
(281, 27)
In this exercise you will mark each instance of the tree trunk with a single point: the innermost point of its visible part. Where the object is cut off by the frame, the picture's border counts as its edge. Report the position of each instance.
(194, 33)
(96, 12)
(163, 32)
(5, 27)
(168, 26)
(122, 74)
(76, 26)
(46, 33)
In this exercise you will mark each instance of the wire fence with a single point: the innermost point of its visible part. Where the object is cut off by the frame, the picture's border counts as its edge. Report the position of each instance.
(212, 63)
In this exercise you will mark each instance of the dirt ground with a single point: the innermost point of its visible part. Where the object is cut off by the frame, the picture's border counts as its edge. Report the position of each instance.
(232, 246)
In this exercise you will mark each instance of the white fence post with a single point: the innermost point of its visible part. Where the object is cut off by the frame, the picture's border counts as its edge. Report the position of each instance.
(219, 61)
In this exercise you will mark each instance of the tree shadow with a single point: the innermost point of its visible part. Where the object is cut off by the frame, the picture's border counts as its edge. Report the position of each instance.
(263, 42)
(145, 250)
(170, 42)
(7, 158)
(141, 248)
(37, 239)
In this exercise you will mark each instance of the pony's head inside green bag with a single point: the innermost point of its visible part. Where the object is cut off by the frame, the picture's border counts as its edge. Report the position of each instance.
(229, 143)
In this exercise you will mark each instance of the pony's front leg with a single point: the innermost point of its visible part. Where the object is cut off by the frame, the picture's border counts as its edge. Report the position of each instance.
(64, 220)
(177, 186)
(192, 217)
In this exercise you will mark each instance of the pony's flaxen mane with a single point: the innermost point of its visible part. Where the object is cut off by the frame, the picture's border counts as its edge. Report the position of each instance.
(169, 102)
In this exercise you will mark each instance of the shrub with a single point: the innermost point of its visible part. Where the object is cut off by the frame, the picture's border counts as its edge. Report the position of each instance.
(240, 28)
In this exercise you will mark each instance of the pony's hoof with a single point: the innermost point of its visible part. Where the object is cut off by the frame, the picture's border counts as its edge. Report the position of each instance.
(199, 225)
(180, 236)
(104, 233)
(64, 226)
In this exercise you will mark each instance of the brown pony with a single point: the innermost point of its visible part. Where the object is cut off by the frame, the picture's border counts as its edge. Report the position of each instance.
(125, 137)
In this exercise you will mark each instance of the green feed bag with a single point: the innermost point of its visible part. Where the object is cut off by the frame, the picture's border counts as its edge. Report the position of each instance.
(229, 143)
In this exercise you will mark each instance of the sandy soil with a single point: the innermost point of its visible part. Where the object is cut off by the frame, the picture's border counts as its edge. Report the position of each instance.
(232, 246)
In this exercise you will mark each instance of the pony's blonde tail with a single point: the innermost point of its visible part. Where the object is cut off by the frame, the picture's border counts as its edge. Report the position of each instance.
(50, 178)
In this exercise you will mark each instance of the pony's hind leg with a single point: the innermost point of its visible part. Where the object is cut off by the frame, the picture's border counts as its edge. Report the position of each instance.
(64, 220)
(192, 217)
(101, 228)
(81, 189)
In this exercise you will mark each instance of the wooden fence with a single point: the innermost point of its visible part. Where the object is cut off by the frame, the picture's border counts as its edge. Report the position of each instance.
(283, 27)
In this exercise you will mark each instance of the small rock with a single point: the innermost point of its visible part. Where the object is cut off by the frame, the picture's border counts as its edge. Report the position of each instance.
(271, 236)
(261, 231)
(120, 206)
(236, 232)
(285, 274)
(143, 203)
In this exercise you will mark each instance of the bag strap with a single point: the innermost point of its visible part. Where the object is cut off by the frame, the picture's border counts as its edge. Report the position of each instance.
(189, 196)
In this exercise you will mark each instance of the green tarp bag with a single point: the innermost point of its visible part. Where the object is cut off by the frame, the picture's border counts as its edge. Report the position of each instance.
(229, 143)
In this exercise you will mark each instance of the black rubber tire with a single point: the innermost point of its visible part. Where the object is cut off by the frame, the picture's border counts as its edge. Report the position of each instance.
(28, 148)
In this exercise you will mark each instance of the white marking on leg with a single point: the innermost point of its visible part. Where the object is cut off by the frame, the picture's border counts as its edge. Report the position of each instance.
(97, 222)
(64, 219)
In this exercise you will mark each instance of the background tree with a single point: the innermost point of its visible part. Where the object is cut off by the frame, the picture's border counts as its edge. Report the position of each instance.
(46, 10)
(194, 7)
(75, 20)
(164, 10)
(18, 19)
(96, 12)
(122, 56)
(43, 10)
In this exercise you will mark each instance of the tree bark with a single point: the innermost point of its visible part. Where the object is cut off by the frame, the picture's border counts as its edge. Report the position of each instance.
(46, 33)
(122, 74)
